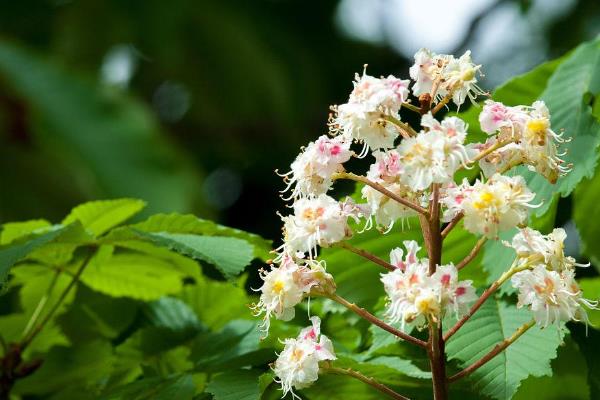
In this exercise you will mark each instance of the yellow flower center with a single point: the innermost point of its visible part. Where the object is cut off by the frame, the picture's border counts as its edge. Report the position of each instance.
(278, 287)
(468, 74)
(486, 199)
(297, 354)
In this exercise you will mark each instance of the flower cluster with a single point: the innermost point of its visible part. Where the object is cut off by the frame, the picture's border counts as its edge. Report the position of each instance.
(529, 137)
(547, 284)
(285, 286)
(499, 204)
(413, 173)
(297, 366)
(415, 297)
(366, 116)
(443, 75)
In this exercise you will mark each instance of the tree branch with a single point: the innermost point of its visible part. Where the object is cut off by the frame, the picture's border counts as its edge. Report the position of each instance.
(452, 224)
(494, 352)
(365, 254)
(376, 321)
(465, 261)
(369, 381)
(381, 189)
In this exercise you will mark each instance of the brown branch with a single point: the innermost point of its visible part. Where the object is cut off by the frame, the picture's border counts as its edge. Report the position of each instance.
(405, 129)
(465, 261)
(493, 353)
(484, 296)
(381, 189)
(376, 321)
(368, 380)
(452, 224)
(366, 254)
(441, 104)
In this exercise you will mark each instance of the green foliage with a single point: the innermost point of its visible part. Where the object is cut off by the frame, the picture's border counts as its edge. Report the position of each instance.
(236, 385)
(529, 355)
(108, 136)
(100, 216)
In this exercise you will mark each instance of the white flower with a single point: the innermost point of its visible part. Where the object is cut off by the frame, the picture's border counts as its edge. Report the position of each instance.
(540, 144)
(502, 159)
(386, 171)
(415, 297)
(460, 79)
(400, 261)
(316, 221)
(356, 121)
(552, 296)
(312, 170)
(435, 155)
(297, 366)
(495, 117)
(533, 247)
(489, 208)
(445, 75)
(286, 285)
(535, 143)
(455, 296)
(363, 117)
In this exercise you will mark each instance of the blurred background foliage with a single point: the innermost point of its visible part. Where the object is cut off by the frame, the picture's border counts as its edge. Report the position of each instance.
(191, 105)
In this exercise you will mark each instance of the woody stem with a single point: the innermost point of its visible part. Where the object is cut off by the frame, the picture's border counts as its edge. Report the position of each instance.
(376, 321)
(381, 189)
(368, 380)
(365, 254)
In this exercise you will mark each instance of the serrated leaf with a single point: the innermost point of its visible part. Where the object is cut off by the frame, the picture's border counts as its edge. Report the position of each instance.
(15, 230)
(591, 290)
(236, 385)
(180, 387)
(173, 314)
(133, 275)
(203, 297)
(585, 212)
(229, 255)
(85, 366)
(187, 223)
(530, 355)
(12, 254)
(100, 216)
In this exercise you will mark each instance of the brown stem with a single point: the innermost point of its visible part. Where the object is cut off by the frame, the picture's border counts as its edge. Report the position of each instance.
(441, 104)
(435, 344)
(484, 296)
(411, 107)
(491, 149)
(494, 352)
(376, 321)
(405, 129)
(366, 254)
(452, 224)
(35, 331)
(381, 189)
(465, 261)
(368, 380)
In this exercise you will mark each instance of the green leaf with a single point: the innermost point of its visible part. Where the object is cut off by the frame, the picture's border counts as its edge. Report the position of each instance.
(229, 255)
(84, 366)
(173, 314)
(585, 211)
(589, 343)
(568, 380)
(235, 385)
(15, 230)
(133, 275)
(216, 303)
(16, 252)
(180, 387)
(115, 146)
(100, 216)
(564, 95)
(591, 290)
(529, 355)
(187, 223)
(385, 369)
